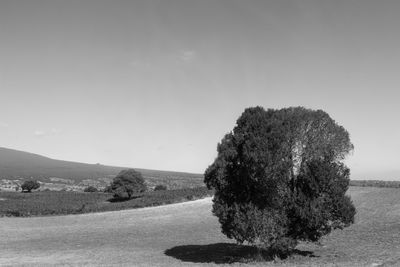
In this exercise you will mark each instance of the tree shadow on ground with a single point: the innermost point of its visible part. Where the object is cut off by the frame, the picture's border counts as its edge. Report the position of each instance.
(222, 253)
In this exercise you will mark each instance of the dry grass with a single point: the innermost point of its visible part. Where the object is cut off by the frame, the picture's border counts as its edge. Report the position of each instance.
(186, 234)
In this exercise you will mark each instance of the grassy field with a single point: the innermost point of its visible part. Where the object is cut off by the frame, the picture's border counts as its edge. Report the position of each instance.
(186, 234)
(59, 202)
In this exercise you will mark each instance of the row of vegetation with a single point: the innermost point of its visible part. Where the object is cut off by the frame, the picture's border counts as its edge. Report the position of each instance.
(66, 202)
(124, 186)
(375, 183)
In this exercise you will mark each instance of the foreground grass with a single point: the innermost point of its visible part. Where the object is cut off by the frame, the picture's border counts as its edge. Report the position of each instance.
(58, 202)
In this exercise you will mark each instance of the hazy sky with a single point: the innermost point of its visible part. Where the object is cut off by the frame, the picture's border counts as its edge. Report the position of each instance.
(156, 84)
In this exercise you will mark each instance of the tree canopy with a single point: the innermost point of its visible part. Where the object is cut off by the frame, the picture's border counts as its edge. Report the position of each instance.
(30, 185)
(279, 177)
(128, 183)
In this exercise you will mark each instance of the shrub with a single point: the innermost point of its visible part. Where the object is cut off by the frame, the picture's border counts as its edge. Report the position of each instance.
(278, 178)
(127, 184)
(30, 185)
(90, 189)
(108, 189)
(160, 187)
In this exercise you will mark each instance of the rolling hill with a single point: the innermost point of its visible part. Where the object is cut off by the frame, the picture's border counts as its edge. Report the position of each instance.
(16, 164)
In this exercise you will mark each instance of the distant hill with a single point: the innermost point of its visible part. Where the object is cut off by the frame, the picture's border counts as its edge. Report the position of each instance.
(16, 164)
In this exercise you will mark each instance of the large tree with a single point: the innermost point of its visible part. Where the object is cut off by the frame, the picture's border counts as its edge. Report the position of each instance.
(279, 177)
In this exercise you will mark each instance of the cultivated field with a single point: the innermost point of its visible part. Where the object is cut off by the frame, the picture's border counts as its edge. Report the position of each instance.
(187, 234)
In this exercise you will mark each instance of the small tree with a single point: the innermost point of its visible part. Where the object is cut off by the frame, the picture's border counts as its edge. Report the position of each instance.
(278, 178)
(30, 185)
(128, 183)
(90, 189)
(160, 187)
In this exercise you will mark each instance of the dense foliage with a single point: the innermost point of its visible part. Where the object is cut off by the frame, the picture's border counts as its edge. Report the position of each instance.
(127, 184)
(90, 189)
(160, 187)
(278, 178)
(65, 202)
(30, 185)
(107, 189)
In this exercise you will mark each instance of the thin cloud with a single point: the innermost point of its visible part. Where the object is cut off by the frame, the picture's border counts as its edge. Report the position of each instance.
(4, 125)
(54, 131)
(187, 55)
(39, 133)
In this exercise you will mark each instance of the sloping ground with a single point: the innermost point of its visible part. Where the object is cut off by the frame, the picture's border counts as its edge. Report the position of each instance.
(130, 238)
(187, 234)
(16, 164)
(374, 240)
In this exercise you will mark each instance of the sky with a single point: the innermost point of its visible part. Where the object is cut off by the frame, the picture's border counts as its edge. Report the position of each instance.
(157, 84)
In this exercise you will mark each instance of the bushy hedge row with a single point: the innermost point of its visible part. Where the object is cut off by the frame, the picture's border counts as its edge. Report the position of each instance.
(58, 203)
(375, 183)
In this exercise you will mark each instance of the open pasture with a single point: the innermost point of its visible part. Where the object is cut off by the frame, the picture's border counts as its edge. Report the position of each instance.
(186, 234)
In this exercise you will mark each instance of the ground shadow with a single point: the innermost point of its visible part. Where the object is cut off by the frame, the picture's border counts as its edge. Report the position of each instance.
(222, 253)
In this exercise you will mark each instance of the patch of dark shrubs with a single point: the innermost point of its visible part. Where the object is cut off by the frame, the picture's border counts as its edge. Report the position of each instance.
(90, 189)
(14, 213)
(30, 185)
(375, 183)
(108, 189)
(160, 187)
